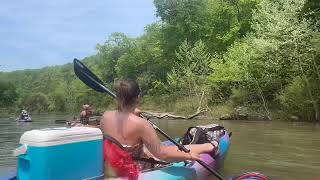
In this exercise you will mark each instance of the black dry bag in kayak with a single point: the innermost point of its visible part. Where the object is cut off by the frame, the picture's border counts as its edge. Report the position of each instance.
(202, 134)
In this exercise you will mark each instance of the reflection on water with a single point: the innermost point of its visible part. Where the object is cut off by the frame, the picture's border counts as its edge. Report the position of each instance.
(282, 150)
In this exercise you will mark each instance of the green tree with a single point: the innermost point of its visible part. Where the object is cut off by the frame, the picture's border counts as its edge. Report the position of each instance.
(189, 75)
(116, 45)
(217, 23)
(58, 101)
(279, 50)
(36, 102)
(311, 10)
(8, 94)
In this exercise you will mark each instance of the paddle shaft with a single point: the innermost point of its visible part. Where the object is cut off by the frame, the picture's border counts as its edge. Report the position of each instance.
(95, 79)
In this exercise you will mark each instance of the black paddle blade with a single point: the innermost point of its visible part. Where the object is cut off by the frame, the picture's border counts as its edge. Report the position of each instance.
(86, 76)
(90, 79)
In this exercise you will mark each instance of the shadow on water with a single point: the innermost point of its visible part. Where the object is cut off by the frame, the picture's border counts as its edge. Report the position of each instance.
(282, 150)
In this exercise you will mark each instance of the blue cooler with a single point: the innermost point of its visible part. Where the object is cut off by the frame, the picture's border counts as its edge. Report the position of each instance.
(61, 153)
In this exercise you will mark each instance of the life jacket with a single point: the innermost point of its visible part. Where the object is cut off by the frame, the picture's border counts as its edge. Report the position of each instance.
(88, 114)
(85, 119)
(24, 115)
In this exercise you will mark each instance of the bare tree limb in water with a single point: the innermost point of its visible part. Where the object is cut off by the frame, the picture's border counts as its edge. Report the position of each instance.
(161, 115)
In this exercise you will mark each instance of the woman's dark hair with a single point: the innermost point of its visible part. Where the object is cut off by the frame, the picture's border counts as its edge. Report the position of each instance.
(127, 92)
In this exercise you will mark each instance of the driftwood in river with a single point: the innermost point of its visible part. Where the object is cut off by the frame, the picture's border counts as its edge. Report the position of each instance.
(160, 115)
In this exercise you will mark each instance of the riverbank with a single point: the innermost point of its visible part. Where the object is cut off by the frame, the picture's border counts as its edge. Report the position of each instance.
(223, 111)
(186, 107)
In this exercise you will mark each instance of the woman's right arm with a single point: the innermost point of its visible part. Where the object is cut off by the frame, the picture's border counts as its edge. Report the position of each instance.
(165, 153)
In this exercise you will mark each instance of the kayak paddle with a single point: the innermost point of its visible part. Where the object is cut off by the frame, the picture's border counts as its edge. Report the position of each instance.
(92, 81)
(60, 121)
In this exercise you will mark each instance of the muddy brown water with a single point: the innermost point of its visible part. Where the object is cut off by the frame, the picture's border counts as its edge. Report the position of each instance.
(282, 150)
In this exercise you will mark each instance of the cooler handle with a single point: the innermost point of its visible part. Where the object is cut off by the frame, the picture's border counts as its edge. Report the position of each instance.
(20, 150)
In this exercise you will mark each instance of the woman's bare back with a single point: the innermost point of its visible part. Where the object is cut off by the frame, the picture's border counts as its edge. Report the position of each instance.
(122, 126)
(131, 130)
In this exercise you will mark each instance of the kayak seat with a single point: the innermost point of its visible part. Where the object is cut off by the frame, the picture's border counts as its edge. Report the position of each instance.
(201, 135)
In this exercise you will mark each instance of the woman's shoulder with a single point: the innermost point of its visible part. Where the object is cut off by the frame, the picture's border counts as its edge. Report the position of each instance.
(138, 121)
(108, 113)
(107, 116)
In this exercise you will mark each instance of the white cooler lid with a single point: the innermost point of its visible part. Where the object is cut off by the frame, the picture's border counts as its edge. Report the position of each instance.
(62, 135)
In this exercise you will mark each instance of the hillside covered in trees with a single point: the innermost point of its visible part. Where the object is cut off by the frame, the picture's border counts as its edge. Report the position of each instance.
(261, 54)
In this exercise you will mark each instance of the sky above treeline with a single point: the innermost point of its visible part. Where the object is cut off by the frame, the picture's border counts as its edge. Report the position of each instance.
(37, 33)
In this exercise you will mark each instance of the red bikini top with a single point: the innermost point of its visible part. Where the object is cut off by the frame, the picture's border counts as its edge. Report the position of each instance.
(120, 160)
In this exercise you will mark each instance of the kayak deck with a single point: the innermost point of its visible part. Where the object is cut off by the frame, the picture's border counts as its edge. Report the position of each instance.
(28, 119)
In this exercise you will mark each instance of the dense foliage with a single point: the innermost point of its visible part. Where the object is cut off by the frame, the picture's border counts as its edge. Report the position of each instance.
(262, 53)
(8, 94)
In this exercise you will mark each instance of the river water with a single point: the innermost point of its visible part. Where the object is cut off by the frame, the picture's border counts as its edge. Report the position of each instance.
(282, 150)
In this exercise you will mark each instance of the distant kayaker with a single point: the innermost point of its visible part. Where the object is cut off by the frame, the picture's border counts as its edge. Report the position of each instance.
(24, 114)
(128, 138)
(85, 114)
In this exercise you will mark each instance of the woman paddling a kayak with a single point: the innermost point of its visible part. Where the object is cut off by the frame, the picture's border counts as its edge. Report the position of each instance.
(130, 138)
